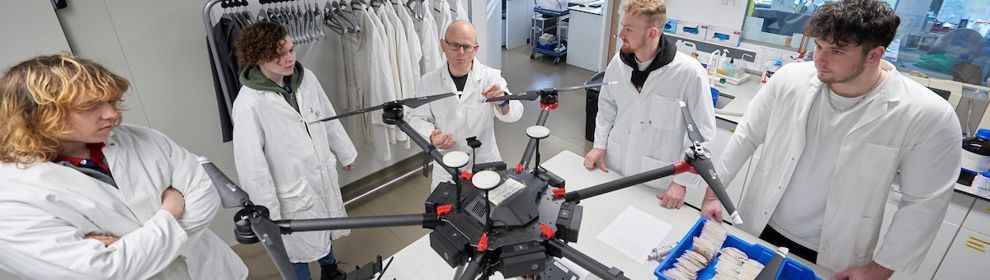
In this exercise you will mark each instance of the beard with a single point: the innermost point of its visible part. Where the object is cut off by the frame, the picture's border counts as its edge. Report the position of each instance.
(844, 76)
(626, 48)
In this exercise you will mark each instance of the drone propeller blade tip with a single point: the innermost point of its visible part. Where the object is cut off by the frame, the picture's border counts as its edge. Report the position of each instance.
(736, 219)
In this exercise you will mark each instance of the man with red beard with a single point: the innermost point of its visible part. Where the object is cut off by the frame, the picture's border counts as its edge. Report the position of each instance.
(639, 126)
(837, 133)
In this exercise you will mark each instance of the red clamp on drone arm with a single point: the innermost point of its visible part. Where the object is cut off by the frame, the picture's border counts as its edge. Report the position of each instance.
(443, 209)
(547, 232)
(483, 243)
(466, 176)
(548, 107)
(519, 168)
(683, 166)
(559, 192)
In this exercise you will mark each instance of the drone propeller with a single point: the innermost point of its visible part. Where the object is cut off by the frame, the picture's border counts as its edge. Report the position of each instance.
(692, 130)
(270, 236)
(411, 102)
(533, 94)
(702, 163)
(232, 196)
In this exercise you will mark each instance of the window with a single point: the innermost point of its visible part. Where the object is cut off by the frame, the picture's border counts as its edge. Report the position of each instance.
(947, 39)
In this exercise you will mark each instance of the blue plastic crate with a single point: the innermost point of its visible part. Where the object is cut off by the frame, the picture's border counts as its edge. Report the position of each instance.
(791, 270)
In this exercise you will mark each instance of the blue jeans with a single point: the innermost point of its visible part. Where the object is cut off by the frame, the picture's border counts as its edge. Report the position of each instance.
(302, 269)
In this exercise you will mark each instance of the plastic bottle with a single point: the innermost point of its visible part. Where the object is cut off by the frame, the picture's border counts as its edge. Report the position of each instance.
(975, 156)
(730, 68)
(981, 185)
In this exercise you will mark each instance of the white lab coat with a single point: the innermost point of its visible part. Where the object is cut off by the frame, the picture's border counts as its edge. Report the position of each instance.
(463, 117)
(460, 10)
(372, 76)
(905, 128)
(430, 38)
(415, 45)
(287, 165)
(443, 14)
(629, 121)
(388, 29)
(48, 208)
(407, 76)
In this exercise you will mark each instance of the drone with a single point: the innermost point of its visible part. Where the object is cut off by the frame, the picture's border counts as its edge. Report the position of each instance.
(488, 217)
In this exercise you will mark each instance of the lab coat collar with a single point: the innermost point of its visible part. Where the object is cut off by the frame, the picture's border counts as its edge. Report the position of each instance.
(473, 78)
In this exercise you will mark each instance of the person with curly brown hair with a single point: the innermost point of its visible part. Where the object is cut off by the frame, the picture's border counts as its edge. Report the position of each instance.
(285, 163)
(837, 133)
(86, 197)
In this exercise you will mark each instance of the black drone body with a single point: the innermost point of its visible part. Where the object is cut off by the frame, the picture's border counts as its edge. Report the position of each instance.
(489, 218)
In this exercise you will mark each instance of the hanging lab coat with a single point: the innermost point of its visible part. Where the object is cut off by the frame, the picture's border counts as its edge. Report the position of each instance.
(372, 76)
(629, 120)
(415, 46)
(430, 38)
(443, 14)
(407, 77)
(287, 165)
(467, 116)
(905, 128)
(48, 208)
(394, 50)
(461, 10)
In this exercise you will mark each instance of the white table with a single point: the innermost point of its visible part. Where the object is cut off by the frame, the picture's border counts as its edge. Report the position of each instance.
(419, 261)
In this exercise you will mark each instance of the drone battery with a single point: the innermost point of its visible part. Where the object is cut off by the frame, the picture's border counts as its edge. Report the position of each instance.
(493, 166)
(569, 221)
(449, 244)
(521, 259)
(444, 194)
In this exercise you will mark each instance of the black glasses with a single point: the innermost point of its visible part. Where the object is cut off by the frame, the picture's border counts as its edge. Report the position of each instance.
(461, 47)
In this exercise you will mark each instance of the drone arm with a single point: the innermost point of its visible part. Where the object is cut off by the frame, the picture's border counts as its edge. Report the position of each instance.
(425, 220)
(531, 146)
(626, 182)
(560, 249)
(474, 267)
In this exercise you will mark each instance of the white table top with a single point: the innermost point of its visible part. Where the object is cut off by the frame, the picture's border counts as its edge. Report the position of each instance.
(419, 261)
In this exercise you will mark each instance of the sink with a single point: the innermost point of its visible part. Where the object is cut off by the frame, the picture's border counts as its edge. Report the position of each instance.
(723, 100)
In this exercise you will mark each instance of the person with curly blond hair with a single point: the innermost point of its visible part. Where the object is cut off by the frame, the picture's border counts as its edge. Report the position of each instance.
(284, 162)
(83, 196)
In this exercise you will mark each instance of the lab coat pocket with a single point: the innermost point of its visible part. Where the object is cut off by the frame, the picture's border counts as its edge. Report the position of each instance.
(664, 113)
(873, 167)
(295, 197)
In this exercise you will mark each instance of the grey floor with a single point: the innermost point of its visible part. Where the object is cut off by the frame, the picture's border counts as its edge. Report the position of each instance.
(567, 133)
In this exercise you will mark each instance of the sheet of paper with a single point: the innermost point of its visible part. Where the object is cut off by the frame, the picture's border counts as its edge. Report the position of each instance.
(635, 233)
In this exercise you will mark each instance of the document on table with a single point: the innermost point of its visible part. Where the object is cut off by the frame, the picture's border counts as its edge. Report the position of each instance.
(635, 233)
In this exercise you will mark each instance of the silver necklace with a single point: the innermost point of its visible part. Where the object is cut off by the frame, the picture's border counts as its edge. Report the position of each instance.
(828, 97)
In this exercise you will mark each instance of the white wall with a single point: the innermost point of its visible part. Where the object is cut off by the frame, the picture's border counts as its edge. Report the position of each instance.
(487, 19)
(21, 43)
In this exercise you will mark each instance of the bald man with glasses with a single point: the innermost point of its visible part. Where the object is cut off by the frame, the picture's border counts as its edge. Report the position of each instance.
(447, 122)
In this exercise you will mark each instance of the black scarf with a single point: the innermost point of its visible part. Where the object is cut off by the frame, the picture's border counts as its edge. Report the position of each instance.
(667, 50)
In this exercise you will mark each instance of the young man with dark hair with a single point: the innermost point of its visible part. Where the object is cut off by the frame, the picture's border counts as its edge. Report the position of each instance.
(284, 162)
(837, 133)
